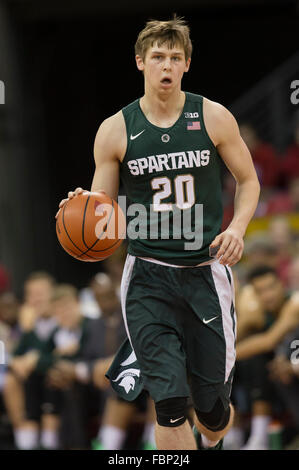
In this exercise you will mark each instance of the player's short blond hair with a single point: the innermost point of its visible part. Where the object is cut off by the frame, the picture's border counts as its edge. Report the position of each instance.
(172, 32)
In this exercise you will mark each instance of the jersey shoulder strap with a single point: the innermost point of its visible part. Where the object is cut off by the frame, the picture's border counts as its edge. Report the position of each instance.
(130, 108)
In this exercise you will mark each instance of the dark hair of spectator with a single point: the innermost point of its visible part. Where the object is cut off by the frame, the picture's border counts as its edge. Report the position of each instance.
(260, 271)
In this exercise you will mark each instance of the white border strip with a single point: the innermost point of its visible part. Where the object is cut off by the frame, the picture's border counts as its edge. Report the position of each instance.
(125, 282)
(225, 292)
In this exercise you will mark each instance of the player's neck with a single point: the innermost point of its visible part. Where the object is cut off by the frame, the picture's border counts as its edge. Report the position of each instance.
(162, 109)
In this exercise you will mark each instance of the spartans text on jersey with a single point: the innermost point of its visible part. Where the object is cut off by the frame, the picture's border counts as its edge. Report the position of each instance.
(169, 161)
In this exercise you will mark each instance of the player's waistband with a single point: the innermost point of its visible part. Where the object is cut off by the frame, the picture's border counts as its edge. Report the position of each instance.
(156, 261)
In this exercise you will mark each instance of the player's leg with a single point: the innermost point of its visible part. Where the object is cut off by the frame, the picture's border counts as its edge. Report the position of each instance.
(150, 305)
(210, 348)
(173, 431)
(212, 435)
(178, 438)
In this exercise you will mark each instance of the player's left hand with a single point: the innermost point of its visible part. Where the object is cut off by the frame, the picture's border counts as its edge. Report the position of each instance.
(231, 246)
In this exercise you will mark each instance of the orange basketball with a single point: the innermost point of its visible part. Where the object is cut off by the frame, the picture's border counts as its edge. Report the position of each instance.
(91, 226)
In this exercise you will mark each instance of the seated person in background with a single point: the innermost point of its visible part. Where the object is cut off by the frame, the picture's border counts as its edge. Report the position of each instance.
(276, 315)
(77, 357)
(4, 279)
(37, 324)
(293, 275)
(9, 336)
(114, 266)
(65, 367)
(281, 235)
(285, 202)
(264, 156)
(259, 250)
(10, 331)
(284, 372)
(118, 414)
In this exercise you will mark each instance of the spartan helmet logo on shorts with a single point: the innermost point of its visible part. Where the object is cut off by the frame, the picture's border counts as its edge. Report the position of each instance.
(128, 381)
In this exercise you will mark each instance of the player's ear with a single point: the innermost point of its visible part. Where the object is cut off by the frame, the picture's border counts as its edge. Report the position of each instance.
(188, 64)
(139, 62)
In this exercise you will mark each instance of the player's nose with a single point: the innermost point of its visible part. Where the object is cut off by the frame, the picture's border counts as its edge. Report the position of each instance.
(167, 63)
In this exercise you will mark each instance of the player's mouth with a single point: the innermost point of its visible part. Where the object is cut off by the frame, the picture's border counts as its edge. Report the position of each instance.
(166, 82)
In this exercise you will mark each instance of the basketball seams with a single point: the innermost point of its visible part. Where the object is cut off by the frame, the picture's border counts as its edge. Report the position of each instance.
(80, 254)
(98, 239)
(65, 229)
(83, 223)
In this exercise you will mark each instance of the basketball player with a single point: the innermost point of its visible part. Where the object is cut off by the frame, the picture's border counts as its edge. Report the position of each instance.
(178, 303)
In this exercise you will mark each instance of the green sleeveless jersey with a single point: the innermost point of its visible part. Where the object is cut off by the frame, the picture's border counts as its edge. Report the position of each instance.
(172, 178)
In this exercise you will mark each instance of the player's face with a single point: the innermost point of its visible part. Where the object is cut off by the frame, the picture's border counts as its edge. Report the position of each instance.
(163, 68)
(270, 291)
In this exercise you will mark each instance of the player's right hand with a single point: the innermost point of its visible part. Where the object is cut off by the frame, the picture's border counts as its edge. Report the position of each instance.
(70, 195)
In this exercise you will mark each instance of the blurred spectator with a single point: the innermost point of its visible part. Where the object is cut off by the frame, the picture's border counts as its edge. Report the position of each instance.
(89, 306)
(284, 371)
(264, 156)
(290, 163)
(281, 235)
(37, 324)
(260, 250)
(293, 275)
(114, 266)
(77, 357)
(65, 365)
(285, 202)
(4, 279)
(279, 314)
(9, 328)
(118, 414)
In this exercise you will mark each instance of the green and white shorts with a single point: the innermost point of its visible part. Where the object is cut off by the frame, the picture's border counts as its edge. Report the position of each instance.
(181, 327)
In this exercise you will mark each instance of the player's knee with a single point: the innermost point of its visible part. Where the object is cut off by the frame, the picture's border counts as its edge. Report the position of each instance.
(215, 420)
(171, 412)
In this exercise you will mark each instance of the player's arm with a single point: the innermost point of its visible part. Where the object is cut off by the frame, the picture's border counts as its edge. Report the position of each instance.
(224, 132)
(109, 149)
(265, 342)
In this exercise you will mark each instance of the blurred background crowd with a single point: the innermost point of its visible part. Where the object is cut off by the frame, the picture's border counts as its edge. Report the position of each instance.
(60, 319)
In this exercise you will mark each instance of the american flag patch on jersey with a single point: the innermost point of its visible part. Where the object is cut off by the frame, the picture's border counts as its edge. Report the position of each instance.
(193, 126)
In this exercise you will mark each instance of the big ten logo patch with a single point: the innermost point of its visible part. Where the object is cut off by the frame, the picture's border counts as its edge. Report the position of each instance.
(191, 115)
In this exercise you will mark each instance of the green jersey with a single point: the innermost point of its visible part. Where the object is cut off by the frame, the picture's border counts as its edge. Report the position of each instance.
(172, 177)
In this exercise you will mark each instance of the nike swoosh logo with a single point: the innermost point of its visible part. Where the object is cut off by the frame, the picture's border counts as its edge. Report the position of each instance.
(132, 137)
(132, 358)
(208, 321)
(175, 420)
